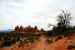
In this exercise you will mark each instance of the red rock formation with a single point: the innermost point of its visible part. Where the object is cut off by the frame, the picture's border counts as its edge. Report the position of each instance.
(27, 29)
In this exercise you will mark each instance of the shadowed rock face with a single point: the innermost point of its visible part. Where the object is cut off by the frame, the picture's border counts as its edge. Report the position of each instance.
(41, 45)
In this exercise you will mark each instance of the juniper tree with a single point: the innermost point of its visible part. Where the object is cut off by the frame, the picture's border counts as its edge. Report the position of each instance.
(64, 19)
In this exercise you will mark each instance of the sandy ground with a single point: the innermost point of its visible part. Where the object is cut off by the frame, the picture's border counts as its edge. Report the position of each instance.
(41, 45)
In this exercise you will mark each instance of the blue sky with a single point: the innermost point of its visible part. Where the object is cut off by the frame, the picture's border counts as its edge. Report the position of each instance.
(33, 12)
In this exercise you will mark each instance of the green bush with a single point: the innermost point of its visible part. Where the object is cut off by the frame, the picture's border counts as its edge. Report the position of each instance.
(31, 39)
(21, 44)
(48, 33)
(6, 43)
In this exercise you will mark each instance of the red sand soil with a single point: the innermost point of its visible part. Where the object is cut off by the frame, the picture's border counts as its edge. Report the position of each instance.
(41, 45)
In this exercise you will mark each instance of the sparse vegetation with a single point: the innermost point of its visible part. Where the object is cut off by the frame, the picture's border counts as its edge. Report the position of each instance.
(71, 46)
(49, 33)
(7, 39)
(21, 44)
(58, 38)
(49, 41)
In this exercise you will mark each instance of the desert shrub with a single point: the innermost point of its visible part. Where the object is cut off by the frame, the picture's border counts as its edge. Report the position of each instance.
(58, 37)
(71, 46)
(21, 44)
(48, 33)
(48, 41)
(17, 39)
(6, 43)
(0, 43)
(39, 34)
(68, 34)
(27, 34)
(13, 41)
(31, 39)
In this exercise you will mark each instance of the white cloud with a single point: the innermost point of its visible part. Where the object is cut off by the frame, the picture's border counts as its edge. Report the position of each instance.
(32, 12)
